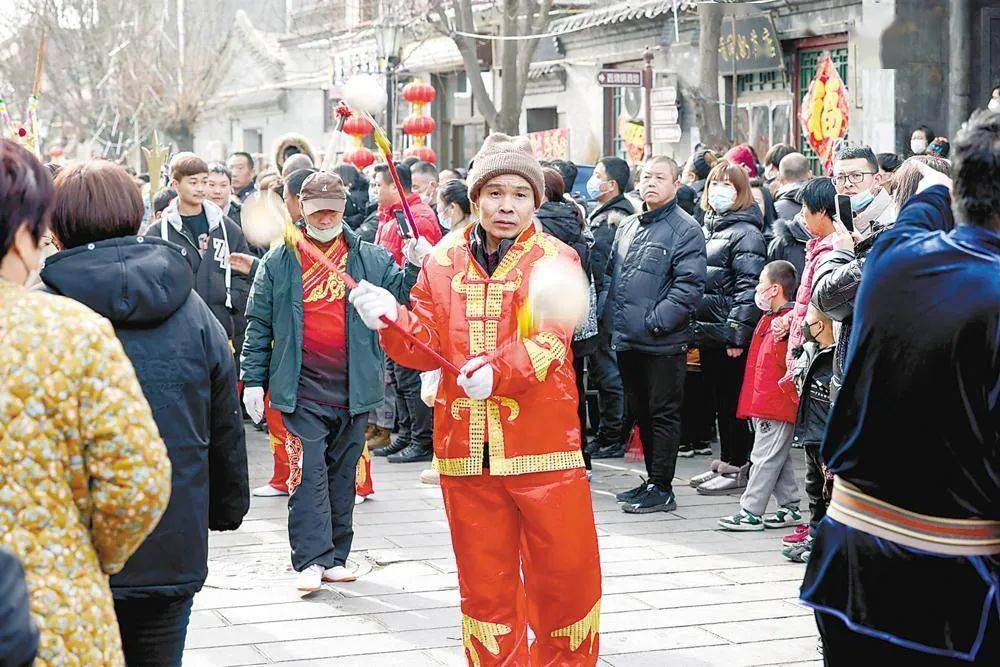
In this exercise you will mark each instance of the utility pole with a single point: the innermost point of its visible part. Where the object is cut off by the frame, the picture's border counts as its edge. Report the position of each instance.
(647, 112)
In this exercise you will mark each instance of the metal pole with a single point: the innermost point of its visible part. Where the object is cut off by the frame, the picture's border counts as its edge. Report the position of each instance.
(959, 65)
(736, 93)
(390, 89)
(647, 85)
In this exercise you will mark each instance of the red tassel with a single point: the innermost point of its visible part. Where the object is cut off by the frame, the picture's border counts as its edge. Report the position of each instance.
(633, 450)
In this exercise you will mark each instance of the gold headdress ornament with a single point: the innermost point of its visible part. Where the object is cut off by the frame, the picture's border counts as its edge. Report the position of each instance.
(26, 133)
(156, 157)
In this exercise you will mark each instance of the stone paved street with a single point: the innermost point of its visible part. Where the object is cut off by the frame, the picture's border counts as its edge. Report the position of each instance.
(676, 591)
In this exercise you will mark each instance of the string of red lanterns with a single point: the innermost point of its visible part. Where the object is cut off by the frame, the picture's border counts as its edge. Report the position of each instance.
(358, 128)
(418, 125)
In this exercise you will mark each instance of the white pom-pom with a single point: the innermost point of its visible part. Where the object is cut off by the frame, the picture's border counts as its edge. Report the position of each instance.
(558, 292)
(263, 218)
(365, 93)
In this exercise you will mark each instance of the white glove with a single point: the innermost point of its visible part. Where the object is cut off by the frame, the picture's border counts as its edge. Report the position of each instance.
(253, 401)
(478, 383)
(415, 250)
(373, 303)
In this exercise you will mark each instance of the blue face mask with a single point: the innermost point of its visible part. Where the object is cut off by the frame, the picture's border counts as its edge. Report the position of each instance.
(860, 201)
(372, 197)
(594, 187)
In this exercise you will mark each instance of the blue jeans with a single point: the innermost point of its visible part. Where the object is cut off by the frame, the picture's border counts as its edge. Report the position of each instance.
(153, 629)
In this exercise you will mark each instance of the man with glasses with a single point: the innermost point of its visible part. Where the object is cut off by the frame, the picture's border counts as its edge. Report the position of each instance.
(835, 285)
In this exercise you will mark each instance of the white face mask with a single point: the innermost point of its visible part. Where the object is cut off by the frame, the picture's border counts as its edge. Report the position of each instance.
(762, 300)
(445, 220)
(994, 104)
(324, 235)
(721, 197)
(918, 146)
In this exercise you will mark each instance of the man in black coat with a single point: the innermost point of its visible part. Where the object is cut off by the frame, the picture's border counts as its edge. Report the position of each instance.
(18, 632)
(655, 280)
(607, 185)
(185, 366)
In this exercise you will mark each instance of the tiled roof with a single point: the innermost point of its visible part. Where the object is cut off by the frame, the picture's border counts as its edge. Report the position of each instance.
(618, 13)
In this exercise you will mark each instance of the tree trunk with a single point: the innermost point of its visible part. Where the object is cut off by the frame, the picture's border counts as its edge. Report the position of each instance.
(182, 132)
(710, 29)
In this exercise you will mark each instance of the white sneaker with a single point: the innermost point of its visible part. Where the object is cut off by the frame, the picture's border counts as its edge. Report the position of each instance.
(268, 491)
(359, 499)
(310, 579)
(339, 574)
(430, 476)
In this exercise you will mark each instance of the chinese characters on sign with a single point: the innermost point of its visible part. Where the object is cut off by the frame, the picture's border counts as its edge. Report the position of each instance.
(619, 78)
(754, 46)
(824, 115)
(550, 144)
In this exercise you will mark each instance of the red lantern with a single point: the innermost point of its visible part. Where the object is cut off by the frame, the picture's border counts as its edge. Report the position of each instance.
(423, 153)
(419, 125)
(360, 157)
(357, 126)
(419, 92)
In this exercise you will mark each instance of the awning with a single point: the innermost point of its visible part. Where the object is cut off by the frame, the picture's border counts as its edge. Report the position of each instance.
(618, 13)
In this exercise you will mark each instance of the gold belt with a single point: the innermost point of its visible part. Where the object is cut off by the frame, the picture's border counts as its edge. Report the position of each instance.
(956, 537)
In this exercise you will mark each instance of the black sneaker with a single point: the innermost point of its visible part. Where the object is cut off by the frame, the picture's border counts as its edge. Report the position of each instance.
(413, 454)
(392, 448)
(631, 494)
(609, 452)
(654, 499)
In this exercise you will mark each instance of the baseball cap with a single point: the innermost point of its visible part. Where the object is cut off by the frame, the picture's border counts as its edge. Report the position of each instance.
(323, 192)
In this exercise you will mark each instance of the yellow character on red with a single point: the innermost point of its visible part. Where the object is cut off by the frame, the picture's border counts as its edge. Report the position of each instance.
(515, 491)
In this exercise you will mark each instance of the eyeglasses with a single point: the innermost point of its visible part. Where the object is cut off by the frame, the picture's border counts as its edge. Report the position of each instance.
(854, 177)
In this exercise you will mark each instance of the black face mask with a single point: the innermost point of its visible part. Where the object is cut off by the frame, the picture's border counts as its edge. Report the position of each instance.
(807, 332)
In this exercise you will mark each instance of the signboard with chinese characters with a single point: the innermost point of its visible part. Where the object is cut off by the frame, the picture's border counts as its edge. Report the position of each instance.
(619, 78)
(754, 46)
(825, 112)
(550, 144)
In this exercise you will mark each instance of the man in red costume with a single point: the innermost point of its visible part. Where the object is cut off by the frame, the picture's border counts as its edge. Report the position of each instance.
(506, 432)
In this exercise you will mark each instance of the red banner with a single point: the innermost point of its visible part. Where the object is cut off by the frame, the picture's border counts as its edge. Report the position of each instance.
(825, 112)
(550, 144)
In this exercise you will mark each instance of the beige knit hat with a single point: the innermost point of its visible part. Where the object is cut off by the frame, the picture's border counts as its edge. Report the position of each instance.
(503, 154)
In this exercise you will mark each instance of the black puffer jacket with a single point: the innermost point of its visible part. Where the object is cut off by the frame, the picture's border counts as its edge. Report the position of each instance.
(789, 244)
(814, 402)
(185, 367)
(654, 281)
(699, 212)
(835, 287)
(604, 223)
(369, 225)
(18, 632)
(788, 203)
(736, 252)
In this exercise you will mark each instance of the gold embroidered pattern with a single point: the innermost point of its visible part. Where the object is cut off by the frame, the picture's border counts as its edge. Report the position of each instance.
(361, 474)
(486, 633)
(542, 357)
(521, 465)
(577, 633)
(330, 289)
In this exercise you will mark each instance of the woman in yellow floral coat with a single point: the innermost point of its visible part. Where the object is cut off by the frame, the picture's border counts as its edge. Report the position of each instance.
(84, 475)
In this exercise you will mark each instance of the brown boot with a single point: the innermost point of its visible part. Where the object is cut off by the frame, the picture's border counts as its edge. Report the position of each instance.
(379, 438)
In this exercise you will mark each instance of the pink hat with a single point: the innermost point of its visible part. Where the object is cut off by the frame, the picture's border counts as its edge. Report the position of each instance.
(743, 156)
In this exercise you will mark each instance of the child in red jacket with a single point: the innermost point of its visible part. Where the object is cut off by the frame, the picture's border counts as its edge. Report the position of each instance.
(772, 412)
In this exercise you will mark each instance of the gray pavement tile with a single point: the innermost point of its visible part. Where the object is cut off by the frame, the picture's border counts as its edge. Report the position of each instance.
(781, 652)
(786, 572)
(229, 656)
(704, 615)
(691, 597)
(301, 628)
(635, 641)
(655, 582)
(401, 659)
(205, 618)
(762, 630)
(693, 563)
(383, 643)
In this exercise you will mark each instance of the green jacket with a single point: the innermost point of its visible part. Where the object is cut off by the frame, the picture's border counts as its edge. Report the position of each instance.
(272, 351)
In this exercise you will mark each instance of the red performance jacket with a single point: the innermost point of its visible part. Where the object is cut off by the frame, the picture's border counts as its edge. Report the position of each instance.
(761, 397)
(388, 236)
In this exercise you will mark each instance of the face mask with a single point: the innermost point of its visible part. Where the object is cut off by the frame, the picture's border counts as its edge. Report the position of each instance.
(372, 197)
(918, 146)
(860, 201)
(807, 332)
(762, 300)
(594, 187)
(425, 198)
(994, 105)
(721, 197)
(445, 220)
(323, 235)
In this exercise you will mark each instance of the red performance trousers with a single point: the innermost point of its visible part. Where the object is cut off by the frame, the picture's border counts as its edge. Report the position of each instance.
(539, 525)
